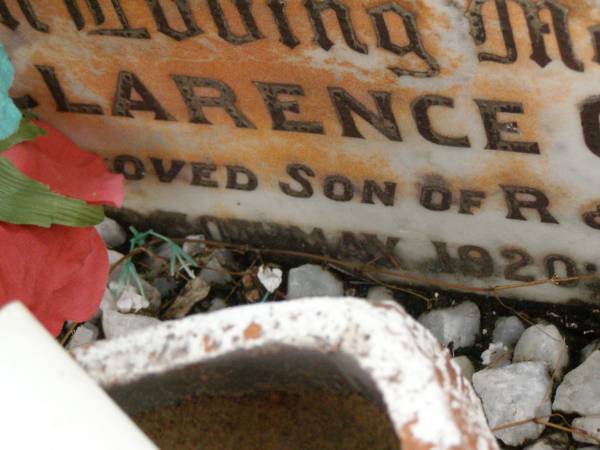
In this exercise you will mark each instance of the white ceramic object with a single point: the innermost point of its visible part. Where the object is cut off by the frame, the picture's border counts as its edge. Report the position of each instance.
(48, 401)
(376, 347)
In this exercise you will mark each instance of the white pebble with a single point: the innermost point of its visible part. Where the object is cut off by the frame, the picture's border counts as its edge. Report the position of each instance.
(508, 330)
(555, 441)
(591, 426)
(541, 445)
(589, 349)
(114, 257)
(84, 334)
(194, 248)
(311, 280)
(116, 324)
(130, 294)
(111, 232)
(217, 304)
(514, 393)
(497, 355)
(131, 301)
(543, 343)
(459, 324)
(580, 390)
(466, 366)
(379, 293)
(214, 270)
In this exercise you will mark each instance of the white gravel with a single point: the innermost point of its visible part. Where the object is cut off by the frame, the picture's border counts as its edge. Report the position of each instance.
(591, 426)
(111, 232)
(508, 330)
(466, 366)
(580, 390)
(311, 280)
(459, 324)
(543, 343)
(512, 394)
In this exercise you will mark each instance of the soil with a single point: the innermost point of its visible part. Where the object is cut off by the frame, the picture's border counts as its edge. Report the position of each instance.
(271, 421)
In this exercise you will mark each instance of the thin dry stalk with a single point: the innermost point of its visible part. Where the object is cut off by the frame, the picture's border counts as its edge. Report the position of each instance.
(69, 333)
(368, 270)
(376, 272)
(545, 421)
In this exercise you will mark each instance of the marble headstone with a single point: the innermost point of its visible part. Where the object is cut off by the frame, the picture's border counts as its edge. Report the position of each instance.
(456, 140)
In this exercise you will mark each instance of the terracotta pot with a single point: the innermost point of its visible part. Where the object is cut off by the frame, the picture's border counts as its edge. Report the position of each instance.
(328, 346)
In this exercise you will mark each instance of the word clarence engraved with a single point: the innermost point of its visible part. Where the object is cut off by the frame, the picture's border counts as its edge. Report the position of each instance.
(454, 142)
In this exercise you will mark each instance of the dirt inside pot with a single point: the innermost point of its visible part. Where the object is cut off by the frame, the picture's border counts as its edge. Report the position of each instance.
(269, 398)
(309, 420)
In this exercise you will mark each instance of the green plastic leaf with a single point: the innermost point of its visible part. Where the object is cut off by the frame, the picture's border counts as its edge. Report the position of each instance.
(27, 131)
(24, 201)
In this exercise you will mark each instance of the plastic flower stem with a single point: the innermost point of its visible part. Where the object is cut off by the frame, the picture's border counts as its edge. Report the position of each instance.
(185, 267)
(138, 282)
(177, 254)
(122, 280)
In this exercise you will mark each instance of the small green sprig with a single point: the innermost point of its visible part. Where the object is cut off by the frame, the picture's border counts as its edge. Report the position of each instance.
(129, 272)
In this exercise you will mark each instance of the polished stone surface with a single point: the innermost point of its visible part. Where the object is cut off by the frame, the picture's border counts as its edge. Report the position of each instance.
(462, 136)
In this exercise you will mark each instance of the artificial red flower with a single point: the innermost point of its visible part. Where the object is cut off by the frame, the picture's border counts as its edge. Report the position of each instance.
(57, 161)
(59, 273)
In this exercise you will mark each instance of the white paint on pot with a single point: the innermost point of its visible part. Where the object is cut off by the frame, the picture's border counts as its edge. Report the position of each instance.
(371, 344)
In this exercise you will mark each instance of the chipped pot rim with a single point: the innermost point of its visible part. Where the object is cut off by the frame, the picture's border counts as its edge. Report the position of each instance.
(429, 403)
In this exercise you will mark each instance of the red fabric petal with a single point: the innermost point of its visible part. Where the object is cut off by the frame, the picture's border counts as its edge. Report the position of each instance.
(59, 273)
(57, 161)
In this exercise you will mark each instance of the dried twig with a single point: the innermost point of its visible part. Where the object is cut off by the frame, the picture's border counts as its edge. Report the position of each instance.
(368, 269)
(544, 420)
(69, 333)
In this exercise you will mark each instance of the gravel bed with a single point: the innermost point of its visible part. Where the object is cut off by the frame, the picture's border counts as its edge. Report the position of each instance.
(535, 366)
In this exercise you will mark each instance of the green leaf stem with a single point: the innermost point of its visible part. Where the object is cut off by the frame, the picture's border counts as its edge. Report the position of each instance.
(24, 201)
